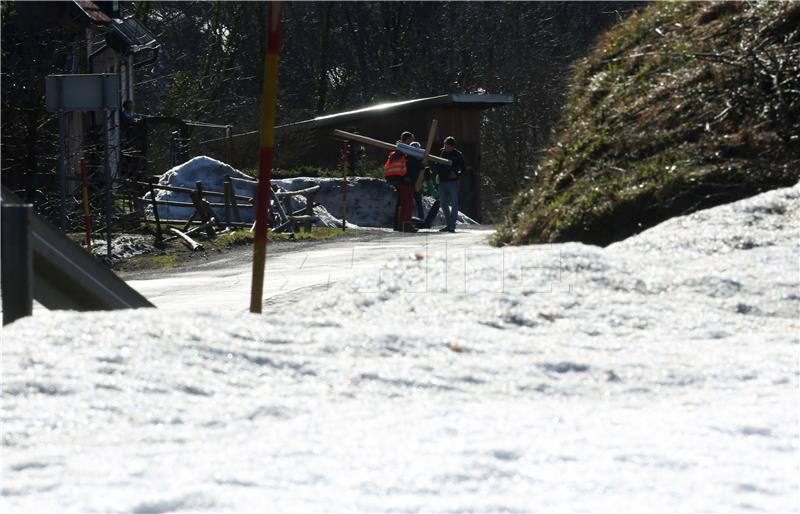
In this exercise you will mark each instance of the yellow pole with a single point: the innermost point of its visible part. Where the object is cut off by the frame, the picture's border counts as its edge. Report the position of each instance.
(263, 194)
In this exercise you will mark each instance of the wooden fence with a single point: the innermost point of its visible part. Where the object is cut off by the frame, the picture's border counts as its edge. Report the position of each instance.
(282, 218)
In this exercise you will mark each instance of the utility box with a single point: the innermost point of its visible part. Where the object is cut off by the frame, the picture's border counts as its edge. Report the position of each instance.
(91, 92)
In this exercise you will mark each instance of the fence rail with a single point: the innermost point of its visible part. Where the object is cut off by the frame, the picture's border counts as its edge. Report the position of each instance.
(283, 217)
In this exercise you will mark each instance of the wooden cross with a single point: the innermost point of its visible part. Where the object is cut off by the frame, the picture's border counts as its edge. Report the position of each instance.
(398, 147)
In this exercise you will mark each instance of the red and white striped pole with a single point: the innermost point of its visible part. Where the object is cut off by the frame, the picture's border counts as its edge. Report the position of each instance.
(268, 106)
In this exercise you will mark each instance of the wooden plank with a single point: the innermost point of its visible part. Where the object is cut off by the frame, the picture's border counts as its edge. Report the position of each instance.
(246, 181)
(364, 139)
(226, 188)
(233, 197)
(426, 157)
(177, 189)
(203, 209)
(190, 220)
(302, 212)
(307, 191)
(382, 144)
(292, 220)
(279, 215)
(175, 203)
(193, 222)
(191, 243)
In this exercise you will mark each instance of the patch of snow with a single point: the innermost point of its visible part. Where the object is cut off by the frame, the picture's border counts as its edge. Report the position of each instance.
(122, 247)
(370, 201)
(211, 173)
(658, 374)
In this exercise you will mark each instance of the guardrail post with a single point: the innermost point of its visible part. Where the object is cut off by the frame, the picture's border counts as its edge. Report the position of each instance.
(17, 261)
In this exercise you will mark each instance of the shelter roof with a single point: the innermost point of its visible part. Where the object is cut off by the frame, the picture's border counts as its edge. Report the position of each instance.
(480, 101)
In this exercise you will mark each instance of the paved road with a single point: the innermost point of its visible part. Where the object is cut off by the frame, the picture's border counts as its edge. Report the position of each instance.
(291, 276)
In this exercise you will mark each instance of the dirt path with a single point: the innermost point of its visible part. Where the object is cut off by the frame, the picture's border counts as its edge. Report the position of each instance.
(293, 272)
(215, 258)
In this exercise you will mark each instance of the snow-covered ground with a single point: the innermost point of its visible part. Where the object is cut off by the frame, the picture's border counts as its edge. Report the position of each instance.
(658, 374)
(370, 201)
(293, 276)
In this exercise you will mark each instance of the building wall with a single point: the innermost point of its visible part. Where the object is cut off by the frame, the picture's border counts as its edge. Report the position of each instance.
(108, 61)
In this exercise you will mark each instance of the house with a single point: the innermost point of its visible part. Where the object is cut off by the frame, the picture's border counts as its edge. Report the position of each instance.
(104, 41)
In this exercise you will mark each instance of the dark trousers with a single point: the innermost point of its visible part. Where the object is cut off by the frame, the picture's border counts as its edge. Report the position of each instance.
(448, 195)
(418, 204)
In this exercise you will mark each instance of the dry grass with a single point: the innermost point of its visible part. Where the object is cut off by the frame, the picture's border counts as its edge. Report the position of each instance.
(681, 107)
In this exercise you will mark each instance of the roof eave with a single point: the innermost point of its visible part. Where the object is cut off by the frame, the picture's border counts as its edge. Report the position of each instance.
(481, 101)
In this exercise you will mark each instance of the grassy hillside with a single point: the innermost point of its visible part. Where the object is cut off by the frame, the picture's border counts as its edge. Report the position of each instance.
(680, 107)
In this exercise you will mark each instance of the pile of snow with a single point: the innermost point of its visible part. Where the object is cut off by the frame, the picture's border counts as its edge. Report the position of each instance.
(370, 202)
(122, 247)
(660, 373)
(211, 173)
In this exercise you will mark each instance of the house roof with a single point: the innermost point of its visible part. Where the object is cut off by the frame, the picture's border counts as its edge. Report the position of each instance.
(125, 35)
(92, 11)
(480, 101)
(129, 35)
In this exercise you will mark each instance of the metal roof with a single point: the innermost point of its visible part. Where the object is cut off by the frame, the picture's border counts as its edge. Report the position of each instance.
(92, 11)
(481, 101)
(124, 35)
(129, 35)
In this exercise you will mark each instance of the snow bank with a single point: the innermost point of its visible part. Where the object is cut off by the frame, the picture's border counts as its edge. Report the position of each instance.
(122, 247)
(370, 202)
(211, 173)
(659, 374)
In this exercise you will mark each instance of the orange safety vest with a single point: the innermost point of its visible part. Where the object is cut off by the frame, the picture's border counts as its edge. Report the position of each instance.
(396, 167)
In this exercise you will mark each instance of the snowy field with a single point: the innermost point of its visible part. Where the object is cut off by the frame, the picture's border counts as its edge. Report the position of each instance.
(658, 374)
(370, 201)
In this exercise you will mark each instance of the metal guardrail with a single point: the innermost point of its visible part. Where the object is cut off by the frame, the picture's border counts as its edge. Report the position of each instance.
(65, 276)
(17, 261)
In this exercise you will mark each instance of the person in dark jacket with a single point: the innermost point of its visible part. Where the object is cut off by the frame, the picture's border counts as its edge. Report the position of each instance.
(448, 182)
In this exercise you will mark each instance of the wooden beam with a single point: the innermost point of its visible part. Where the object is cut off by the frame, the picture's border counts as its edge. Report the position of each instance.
(382, 144)
(191, 243)
(187, 190)
(426, 157)
(429, 144)
(306, 191)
